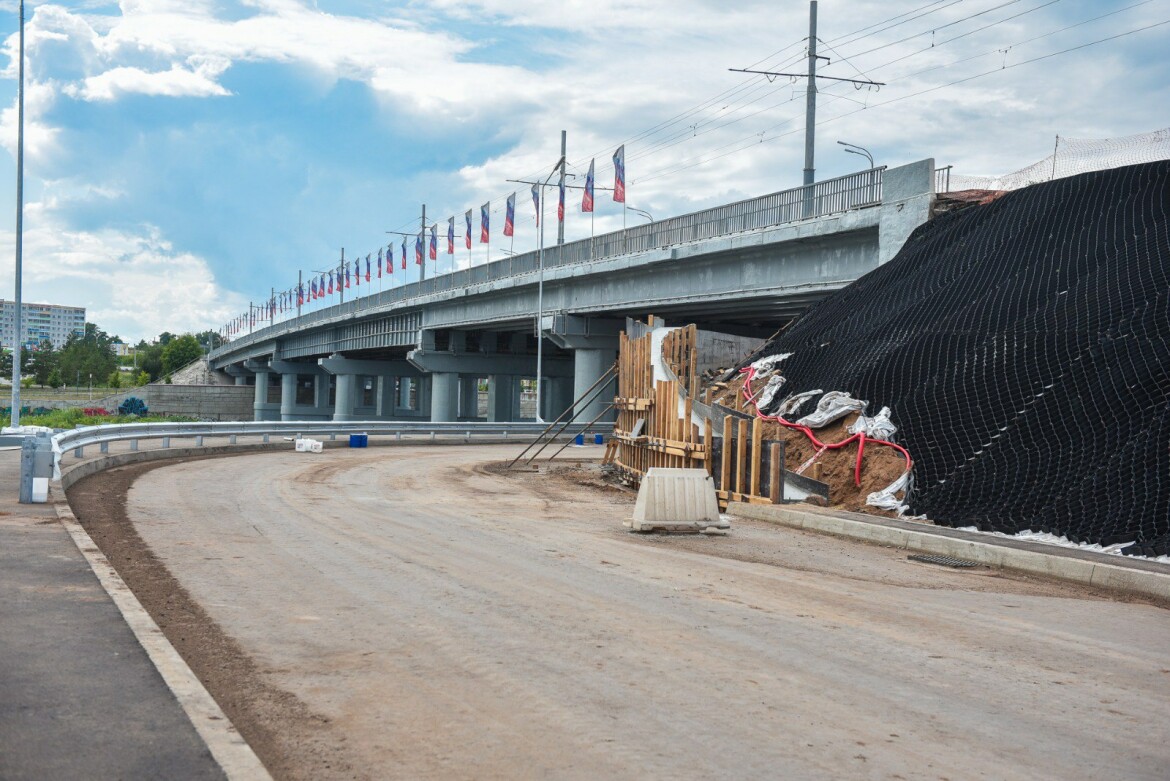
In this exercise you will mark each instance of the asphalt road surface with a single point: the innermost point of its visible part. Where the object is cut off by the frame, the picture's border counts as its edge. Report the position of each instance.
(438, 620)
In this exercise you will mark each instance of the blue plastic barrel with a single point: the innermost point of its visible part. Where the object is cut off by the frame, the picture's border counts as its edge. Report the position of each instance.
(599, 439)
(579, 439)
(359, 440)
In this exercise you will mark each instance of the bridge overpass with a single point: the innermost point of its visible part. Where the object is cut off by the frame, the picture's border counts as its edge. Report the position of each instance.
(425, 349)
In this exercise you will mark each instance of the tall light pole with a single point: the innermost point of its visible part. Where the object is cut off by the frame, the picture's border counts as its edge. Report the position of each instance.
(642, 212)
(17, 330)
(540, 291)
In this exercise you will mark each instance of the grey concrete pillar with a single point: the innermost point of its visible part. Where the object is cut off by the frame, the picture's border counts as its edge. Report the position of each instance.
(241, 380)
(343, 409)
(503, 398)
(260, 403)
(444, 397)
(387, 387)
(560, 396)
(588, 366)
(288, 396)
(469, 397)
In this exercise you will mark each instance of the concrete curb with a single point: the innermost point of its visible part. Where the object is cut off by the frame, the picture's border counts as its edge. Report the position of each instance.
(230, 750)
(1087, 568)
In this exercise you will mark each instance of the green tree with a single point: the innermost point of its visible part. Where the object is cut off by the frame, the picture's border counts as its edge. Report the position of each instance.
(89, 354)
(150, 360)
(179, 352)
(55, 379)
(115, 380)
(142, 378)
(41, 362)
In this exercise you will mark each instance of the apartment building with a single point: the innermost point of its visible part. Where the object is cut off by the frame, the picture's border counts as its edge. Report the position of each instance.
(41, 322)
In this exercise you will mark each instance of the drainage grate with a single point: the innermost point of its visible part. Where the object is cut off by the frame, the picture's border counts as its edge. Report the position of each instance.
(944, 561)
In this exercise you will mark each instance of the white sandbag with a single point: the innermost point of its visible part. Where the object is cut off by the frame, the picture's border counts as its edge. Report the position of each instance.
(832, 406)
(886, 499)
(767, 365)
(793, 402)
(878, 427)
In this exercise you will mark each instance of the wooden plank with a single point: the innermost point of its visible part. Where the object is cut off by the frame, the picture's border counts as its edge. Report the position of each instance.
(757, 455)
(708, 456)
(775, 485)
(741, 456)
(725, 467)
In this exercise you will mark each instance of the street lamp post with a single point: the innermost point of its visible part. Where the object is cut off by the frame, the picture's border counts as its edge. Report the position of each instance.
(642, 212)
(540, 293)
(854, 149)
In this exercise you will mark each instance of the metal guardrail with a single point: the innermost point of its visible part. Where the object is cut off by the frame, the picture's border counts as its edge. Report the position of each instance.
(852, 191)
(79, 438)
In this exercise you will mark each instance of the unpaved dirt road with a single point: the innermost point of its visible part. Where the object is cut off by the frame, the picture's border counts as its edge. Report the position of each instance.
(436, 620)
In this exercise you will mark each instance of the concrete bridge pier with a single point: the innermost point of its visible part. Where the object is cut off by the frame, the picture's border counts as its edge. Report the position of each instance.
(503, 371)
(300, 392)
(594, 342)
(266, 406)
(238, 374)
(366, 390)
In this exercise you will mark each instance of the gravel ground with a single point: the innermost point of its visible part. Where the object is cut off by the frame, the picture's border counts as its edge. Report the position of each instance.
(411, 612)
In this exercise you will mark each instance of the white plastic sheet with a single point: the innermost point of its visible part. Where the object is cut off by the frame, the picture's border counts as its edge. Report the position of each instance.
(887, 499)
(878, 427)
(832, 406)
(766, 366)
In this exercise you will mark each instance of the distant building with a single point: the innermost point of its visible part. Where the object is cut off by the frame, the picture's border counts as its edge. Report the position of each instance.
(123, 350)
(41, 322)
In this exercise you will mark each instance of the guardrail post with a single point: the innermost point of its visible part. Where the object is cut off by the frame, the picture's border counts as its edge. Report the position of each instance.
(466, 436)
(79, 452)
(198, 441)
(432, 436)
(265, 439)
(133, 444)
(232, 439)
(332, 437)
(166, 442)
(397, 436)
(104, 447)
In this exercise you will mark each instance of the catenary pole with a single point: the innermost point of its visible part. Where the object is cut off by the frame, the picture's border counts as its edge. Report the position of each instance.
(810, 104)
(18, 334)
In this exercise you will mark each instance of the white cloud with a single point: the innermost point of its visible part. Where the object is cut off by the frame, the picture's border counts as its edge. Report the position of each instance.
(198, 81)
(132, 283)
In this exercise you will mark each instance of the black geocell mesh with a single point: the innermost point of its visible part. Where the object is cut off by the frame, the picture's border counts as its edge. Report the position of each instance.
(1024, 349)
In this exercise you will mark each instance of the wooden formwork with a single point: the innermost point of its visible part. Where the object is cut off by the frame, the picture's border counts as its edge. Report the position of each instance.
(656, 423)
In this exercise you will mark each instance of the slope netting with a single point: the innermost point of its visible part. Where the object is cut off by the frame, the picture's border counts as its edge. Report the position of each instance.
(1024, 349)
(1070, 156)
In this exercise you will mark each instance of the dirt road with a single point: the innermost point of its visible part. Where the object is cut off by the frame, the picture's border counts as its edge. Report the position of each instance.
(435, 620)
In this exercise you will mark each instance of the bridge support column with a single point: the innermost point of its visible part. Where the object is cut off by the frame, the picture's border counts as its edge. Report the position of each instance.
(588, 366)
(469, 397)
(343, 408)
(503, 398)
(263, 405)
(288, 395)
(559, 392)
(444, 397)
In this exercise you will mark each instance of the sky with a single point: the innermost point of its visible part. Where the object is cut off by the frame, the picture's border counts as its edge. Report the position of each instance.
(185, 157)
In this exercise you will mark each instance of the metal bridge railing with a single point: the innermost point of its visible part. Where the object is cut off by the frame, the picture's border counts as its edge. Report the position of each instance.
(79, 438)
(832, 196)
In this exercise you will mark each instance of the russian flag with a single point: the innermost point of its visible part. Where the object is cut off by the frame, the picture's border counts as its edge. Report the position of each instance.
(536, 202)
(434, 252)
(467, 238)
(404, 253)
(510, 215)
(619, 174)
(379, 262)
(587, 198)
(418, 249)
(561, 200)
(484, 214)
(367, 267)
(389, 258)
(451, 236)
(313, 289)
